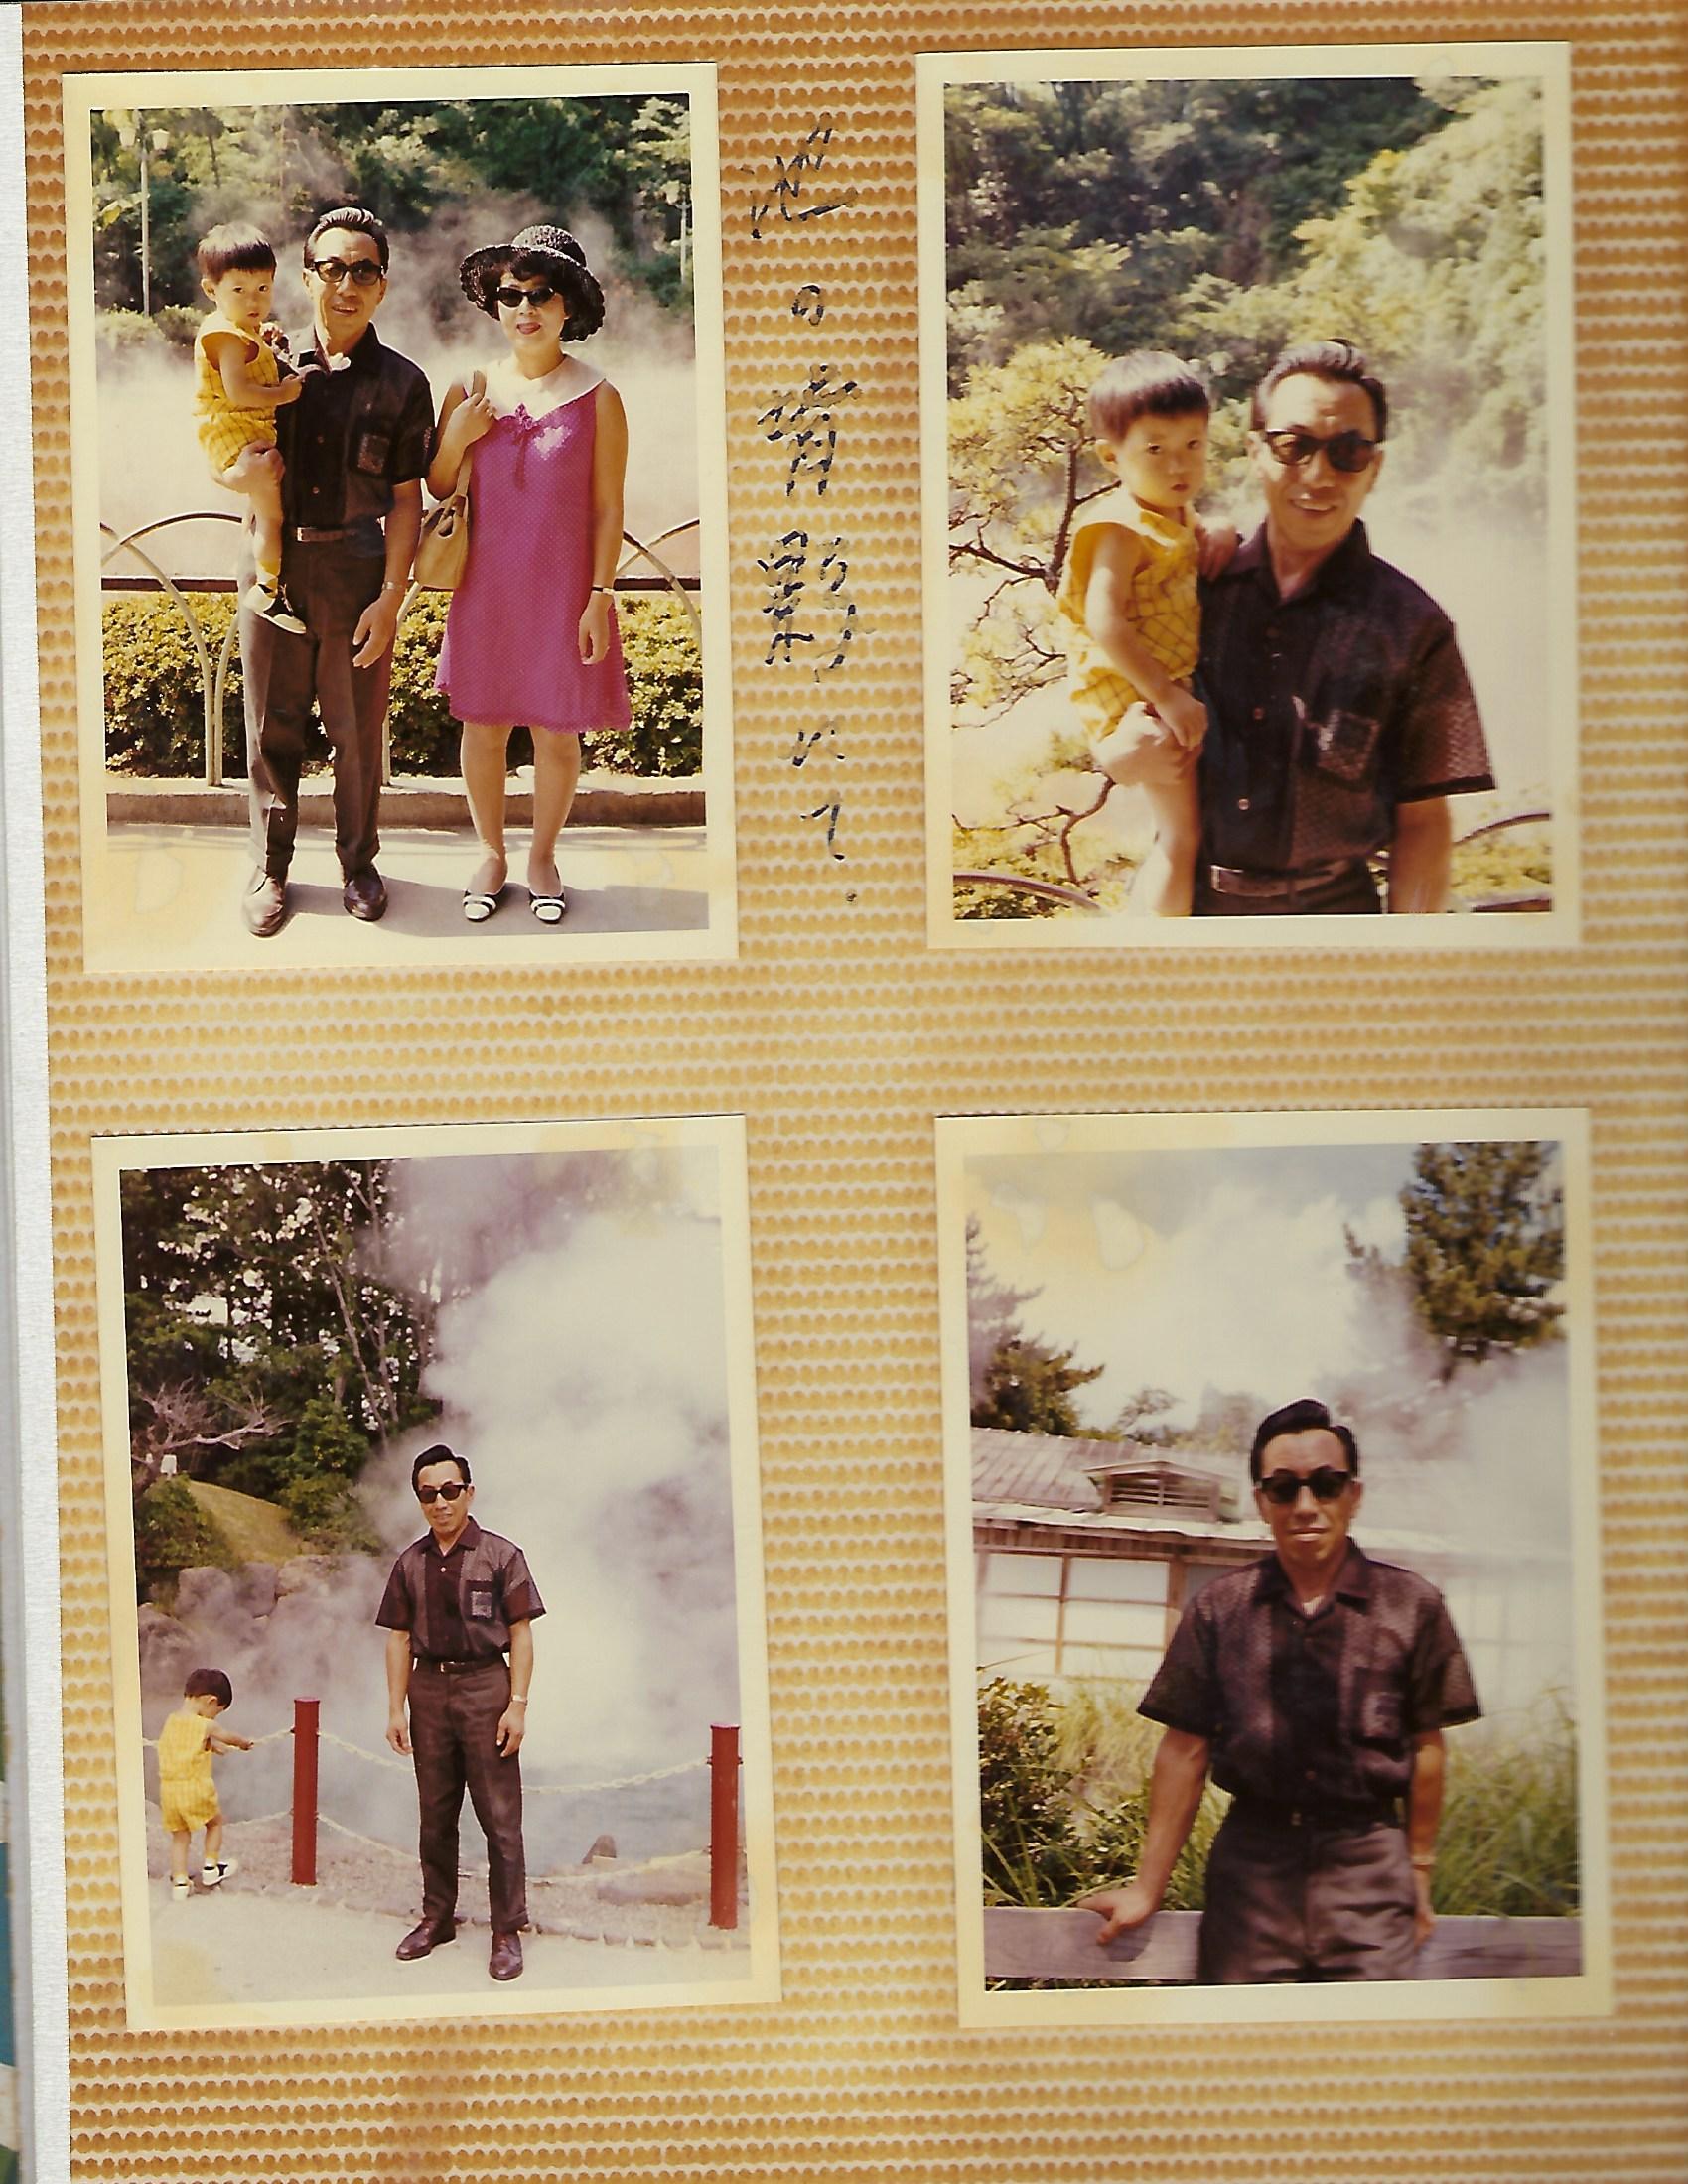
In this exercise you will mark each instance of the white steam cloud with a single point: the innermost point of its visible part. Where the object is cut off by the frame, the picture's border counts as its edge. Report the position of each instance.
(583, 1372)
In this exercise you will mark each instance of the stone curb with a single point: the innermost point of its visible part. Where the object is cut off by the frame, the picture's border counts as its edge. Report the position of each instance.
(601, 801)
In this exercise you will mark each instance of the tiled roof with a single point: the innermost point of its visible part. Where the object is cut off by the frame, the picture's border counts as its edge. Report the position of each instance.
(1050, 1470)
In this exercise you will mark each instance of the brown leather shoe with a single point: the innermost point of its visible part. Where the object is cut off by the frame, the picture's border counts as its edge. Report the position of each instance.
(505, 1959)
(365, 896)
(421, 1938)
(264, 906)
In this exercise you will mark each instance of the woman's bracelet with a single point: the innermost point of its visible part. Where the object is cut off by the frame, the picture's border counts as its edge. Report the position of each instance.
(1424, 1865)
(518, 1699)
(603, 587)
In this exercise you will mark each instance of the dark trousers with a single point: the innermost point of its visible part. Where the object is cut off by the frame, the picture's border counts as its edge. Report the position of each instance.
(453, 1720)
(1306, 1903)
(327, 586)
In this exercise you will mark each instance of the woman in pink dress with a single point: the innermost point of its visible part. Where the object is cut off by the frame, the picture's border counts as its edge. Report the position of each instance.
(531, 636)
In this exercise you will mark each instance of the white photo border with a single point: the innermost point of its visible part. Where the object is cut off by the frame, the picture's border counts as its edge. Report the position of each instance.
(114, 1157)
(1584, 1994)
(1548, 60)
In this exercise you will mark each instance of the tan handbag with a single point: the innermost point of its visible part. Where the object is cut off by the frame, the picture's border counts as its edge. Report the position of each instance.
(442, 552)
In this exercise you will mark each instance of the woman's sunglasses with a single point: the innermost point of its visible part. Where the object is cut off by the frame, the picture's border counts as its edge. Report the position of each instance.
(512, 299)
(1328, 1484)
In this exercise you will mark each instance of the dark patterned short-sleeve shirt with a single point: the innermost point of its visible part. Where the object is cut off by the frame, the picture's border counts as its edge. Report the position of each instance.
(354, 433)
(1315, 1713)
(1326, 711)
(459, 1606)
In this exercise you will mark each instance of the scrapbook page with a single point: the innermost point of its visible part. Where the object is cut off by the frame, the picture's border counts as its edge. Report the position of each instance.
(434, 1159)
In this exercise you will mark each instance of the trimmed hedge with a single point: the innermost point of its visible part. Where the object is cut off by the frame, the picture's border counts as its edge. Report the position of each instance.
(154, 711)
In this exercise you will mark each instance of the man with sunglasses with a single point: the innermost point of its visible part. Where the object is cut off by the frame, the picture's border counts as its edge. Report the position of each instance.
(458, 1611)
(355, 447)
(1339, 714)
(1316, 1686)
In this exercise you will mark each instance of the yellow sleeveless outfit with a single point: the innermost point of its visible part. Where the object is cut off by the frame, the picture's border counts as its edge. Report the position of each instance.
(1164, 608)
(224, 430)
(187, 1795)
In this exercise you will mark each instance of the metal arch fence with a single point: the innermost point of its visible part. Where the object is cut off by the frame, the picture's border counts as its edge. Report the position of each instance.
(214, 674)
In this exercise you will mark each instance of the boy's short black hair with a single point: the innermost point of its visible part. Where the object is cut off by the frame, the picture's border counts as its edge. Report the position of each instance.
(1148, 383)
(209, 1683)
(234, 247)
(439, 1453)
(1343, 361)
(355, 221)
(1307, 1416)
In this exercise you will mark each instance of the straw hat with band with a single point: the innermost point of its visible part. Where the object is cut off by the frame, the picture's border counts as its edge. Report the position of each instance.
(548, 251)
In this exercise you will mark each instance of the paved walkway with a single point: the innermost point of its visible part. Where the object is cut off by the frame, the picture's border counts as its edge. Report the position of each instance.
(168, 897)
(226, 1950)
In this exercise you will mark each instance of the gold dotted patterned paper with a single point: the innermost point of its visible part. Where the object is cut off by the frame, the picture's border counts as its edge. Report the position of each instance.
(838, 1035)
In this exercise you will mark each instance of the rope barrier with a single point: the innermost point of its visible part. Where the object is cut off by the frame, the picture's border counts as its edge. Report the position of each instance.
(613, 1866)
(530, 1789)
(274, 1737)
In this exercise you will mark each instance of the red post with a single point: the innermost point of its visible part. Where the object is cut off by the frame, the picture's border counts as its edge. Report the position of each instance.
(304, 1792)
(723, 1824)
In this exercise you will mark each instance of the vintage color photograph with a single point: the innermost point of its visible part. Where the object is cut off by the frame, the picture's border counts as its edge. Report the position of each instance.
(1274, 1601)
(1248, 491)
(437, 1616)
(400, 535)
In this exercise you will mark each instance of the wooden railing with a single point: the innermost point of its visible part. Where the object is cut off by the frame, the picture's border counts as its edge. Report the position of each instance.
(1062, 1944)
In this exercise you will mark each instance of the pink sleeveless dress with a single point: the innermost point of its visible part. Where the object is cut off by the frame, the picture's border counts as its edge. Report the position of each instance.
(512, 651)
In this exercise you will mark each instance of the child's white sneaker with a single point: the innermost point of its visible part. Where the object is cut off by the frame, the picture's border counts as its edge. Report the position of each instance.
(270, 606)
(214, 1876)
(179, 1890)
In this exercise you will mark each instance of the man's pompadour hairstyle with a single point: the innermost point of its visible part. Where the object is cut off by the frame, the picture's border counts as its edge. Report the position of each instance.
(1307, 1416)
(1343, 361)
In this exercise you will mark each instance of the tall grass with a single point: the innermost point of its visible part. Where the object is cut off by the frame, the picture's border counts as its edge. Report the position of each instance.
(1064, 1798)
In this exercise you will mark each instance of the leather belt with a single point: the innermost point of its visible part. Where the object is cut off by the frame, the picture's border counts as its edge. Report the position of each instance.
(321, 534)
(1231, 880)
(1251, 1813)
(459, 1668)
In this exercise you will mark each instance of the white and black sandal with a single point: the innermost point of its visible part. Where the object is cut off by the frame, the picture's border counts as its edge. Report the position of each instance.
(478, 905)
(550, 909)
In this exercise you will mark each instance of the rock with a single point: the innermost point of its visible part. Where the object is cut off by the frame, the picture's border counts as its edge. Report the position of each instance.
(166, 1653)
(257, 1587)
(603, 1848)
(306, 1574)
(681, 1880)
(206, 1595)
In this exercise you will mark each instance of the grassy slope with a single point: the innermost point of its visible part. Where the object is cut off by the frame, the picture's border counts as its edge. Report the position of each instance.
(257, 1530)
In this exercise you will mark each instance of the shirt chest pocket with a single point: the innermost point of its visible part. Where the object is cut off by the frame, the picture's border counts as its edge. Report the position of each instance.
(1341, 746)
(371, 449)
(480, 1604)
(1379, 1715)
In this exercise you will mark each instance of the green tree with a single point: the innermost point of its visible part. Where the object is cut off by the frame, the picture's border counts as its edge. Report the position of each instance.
(1486, 1246)
(268, 1322)
(172, 1534)
(1020, 1385)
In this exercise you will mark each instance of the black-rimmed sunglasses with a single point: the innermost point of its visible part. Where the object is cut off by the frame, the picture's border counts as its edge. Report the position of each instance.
(1328, 1484)
(512, 299)
(361, 272)
(449, 1492)
(1351, 452)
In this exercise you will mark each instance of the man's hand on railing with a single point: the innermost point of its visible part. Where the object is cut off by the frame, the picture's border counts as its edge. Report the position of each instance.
(1120, 1909)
